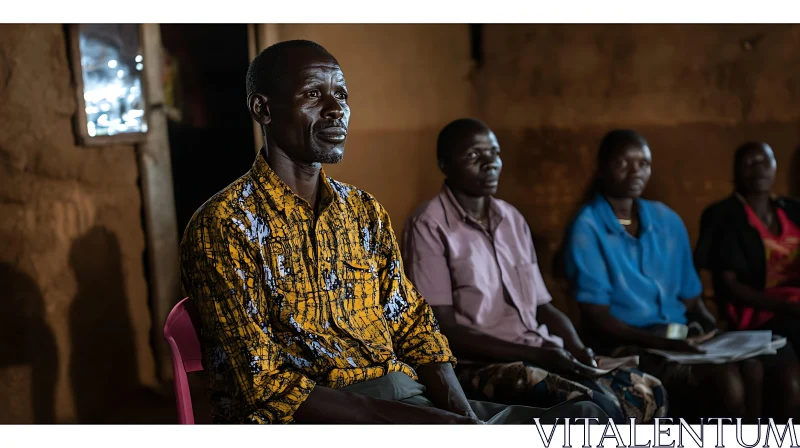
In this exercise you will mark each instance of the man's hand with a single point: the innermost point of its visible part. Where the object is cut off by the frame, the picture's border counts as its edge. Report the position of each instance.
(556, 359)
(559, 360)
(585, 356)
(706, 320)
(468, 415)
(696, 311)
(443, 417)
(445, 392)
(437, 416)
(333, 406)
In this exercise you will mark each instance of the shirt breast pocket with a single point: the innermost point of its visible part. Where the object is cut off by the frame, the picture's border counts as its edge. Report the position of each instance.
(369, 325)
(532, 293)
(469, 283)
(530, 285)
(360, 285)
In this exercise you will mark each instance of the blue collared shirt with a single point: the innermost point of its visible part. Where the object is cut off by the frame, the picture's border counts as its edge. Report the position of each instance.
(643, 280)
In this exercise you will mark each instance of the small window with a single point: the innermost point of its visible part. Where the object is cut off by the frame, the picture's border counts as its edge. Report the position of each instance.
(107, 64)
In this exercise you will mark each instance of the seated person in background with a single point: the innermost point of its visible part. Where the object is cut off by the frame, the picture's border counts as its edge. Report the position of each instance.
(306, 313)
(630, 266)
(751, 244)
(472, 257)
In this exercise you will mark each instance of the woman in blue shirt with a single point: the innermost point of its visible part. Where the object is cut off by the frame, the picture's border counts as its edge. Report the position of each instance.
(630, 266)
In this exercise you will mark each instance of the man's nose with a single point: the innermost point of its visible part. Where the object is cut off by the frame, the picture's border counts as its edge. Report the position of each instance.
(333, 108)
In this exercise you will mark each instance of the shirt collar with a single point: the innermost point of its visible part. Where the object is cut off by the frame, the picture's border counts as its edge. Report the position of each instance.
(280, 194)
(606, 214)
(452, 206)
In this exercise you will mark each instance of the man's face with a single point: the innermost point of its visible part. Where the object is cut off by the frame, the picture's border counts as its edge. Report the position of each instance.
(626, 173)
(473, 165)
(309, 113)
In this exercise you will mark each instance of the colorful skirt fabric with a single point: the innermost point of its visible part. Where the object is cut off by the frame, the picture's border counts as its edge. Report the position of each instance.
(622, 393)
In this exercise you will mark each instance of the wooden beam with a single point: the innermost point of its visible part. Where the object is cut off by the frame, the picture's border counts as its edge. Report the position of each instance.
(259, 37)
(158, 200)
(253, 50)
(268, 34)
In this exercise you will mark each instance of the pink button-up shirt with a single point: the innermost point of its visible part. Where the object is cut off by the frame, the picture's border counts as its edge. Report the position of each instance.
(491, 279)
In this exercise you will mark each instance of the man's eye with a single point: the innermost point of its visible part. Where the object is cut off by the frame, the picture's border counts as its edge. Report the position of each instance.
(313, 94)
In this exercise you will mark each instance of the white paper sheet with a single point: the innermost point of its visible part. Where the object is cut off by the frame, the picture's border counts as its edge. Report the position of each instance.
(728, 347)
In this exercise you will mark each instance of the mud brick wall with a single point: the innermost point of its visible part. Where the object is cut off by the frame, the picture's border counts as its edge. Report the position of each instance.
(74, 318)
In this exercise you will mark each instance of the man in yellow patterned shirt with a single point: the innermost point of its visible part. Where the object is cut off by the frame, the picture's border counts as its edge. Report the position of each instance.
(306, 313)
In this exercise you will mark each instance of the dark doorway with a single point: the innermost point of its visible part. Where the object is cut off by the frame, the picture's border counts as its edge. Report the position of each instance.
(210, 130)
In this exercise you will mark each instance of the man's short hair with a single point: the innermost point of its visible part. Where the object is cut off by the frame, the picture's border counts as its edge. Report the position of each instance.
(269, 68)
(450, 134)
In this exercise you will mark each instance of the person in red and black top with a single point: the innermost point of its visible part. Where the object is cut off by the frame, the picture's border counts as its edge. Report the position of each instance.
(750, 242)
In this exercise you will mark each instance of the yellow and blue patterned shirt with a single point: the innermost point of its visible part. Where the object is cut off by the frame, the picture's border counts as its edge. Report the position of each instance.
(288, 301)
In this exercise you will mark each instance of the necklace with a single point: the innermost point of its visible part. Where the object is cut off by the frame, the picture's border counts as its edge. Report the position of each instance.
(625, 222)
(483, 222)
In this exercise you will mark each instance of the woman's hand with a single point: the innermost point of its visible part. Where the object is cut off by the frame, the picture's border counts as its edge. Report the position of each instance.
(699, 339)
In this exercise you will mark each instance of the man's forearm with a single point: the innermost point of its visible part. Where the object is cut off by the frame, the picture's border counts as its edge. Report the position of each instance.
(623, 333)
(443, 389)
(560, 325)
(696, 311)
(333, 406)
(475, 345)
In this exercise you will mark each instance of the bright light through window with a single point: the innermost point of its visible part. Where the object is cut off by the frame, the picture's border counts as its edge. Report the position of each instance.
(111, 64)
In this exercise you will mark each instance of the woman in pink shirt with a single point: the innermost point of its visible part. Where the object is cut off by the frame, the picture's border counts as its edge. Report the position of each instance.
(472, 257)
(750, 242)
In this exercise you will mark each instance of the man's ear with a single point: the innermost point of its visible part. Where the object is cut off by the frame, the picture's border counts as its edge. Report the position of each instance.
(258, 105)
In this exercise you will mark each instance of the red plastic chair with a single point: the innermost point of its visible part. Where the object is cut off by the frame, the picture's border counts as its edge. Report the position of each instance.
(180, 332)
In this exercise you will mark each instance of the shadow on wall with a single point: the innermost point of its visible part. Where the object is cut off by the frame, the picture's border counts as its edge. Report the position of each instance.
(103, 365)
(22, 311)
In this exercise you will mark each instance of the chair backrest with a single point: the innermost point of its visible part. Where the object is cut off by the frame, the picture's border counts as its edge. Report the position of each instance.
(180, 332)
